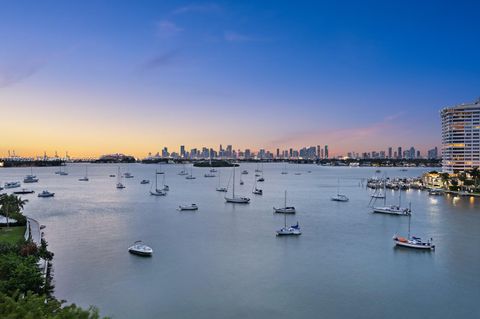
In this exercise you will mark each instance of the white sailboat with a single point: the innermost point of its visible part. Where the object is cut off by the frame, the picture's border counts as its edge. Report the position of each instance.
(166, 188)
(256, 190)
(190, 176)
(85, 178)
(393, 209)
(234, 199)
(293, 230)
(156, 191)
(188, 207)
(183, 172)
(30, 178)
(220, 188)
(339, 197)
(412, 241)
(285, 172)
(119, 180)
(285, 209)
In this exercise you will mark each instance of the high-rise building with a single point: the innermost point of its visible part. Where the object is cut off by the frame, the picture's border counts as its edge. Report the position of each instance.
(390, 152)
(182, 150)
(278, 153)
(460, 137)
(433, 153)
(318, 151)
(399, 152)
(326, 151)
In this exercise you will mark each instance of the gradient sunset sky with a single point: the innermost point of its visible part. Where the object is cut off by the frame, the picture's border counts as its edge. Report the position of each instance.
(95, 77)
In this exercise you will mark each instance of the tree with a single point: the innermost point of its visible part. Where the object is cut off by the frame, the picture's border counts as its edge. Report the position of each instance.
(445, 177)
(475, 174)
(12, 206)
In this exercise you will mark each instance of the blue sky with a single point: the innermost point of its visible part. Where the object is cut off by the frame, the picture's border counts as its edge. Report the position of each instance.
(355, 75)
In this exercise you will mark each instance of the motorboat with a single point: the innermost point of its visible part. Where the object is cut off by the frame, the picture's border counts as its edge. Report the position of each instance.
(111, 175)
(120, 185)
(261, 179)
(234, 199)
(412, 241)
(213, 170)
(285, 209)
(127, 175)
(257, 191)
(166, 188)
(140, 249)
(221, 189)
(244, 172)
(119, 180)
(188, 207)
(11, 185)
(209, 175)
(339, 198)
(435, 191)
(24, 191)
(145, 181)
(46, 194)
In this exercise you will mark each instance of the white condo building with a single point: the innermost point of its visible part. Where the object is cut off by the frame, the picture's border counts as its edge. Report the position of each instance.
(461, 137)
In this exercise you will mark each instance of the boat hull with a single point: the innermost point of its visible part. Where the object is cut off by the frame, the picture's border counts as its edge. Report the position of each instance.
(235, 200)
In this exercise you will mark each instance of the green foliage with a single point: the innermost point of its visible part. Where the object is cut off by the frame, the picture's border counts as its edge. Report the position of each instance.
(31, 306)
(12, 206)
(20, 273)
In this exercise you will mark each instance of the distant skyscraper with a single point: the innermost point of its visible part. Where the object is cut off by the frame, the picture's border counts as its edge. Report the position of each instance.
(390, 152)
(461, 137)
(278, 153)
(318, 151)
(399, 152)
(182, 150)
(326, 151)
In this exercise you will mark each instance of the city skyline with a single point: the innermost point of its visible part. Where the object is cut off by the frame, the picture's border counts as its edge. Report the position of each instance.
(105, 77)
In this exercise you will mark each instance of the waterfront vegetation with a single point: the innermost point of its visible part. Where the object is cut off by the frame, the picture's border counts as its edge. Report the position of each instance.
(26, 289)
(463, 182)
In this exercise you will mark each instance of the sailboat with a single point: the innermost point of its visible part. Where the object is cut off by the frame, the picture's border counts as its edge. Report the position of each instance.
(190, 176)
(393, 209)
(119, 180)
(160, 172)
(255, 190)
(85, 178)
(157, 192)
(261, 179)
(63, 172)
(293, 230)
(233, 199)
(30, 178)
(258, 170)
(220, 188)
(412, 241)
(339, 197)
(165, 186)
(284, 172)
(183, 172)
(285, 209)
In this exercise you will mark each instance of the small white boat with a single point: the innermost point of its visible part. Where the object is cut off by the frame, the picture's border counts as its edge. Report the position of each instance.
(412, 241)
(12, 185)
(128, 175)
(435, 191)
(145, 181)
(190, 177)
(234, 199)
(46, 194)
(166, 188)
(156, 191)
(85, 178)
(257, 191)
(140, 249)
(339, 198)
(293, 230)
(24, 191)
(244, 172)
(378, 195)
(285, 209)
(392, 210)
(119, 180)
(188, 207)
(221, 189)
(209, 175)
(63, 173)
(30, 179)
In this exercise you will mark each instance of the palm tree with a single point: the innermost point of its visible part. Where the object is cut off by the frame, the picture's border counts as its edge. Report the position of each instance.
(445, 177)
(475, 173)
(11, 203)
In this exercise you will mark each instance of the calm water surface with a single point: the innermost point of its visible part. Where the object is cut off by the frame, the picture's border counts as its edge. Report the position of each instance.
(224, 261)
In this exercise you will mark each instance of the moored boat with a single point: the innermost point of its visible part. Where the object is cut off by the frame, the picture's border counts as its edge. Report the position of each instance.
(46, 194)
(188, 207)
(140, 249)
(285, 209)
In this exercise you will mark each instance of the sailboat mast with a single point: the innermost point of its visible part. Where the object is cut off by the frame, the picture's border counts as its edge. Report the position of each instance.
(156, 180)
(385, 192)
(233, 188)
(285, 200)
(409, 218)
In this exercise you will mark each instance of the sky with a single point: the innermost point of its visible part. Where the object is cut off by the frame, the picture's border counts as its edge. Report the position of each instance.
(96, 77)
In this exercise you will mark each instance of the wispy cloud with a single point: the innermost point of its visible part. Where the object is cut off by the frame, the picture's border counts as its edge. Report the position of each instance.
(161, 60)
(198, 8)
(12, 75)
(167, 29)
(232, 36)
